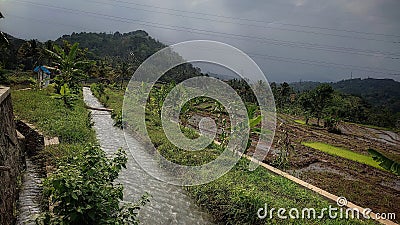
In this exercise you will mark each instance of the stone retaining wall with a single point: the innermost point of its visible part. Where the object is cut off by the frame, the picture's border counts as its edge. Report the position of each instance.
(34, 139)
(11, 159)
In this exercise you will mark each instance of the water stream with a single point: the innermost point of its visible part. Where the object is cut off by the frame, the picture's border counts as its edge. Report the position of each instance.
(169, 204)
(30, 195)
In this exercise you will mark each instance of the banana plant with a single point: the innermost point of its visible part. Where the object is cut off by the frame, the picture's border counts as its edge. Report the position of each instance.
(66, 96)
(384, 162)
(71, 64)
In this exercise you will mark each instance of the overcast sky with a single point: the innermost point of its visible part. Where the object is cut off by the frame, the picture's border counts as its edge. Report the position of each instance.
(290, 40)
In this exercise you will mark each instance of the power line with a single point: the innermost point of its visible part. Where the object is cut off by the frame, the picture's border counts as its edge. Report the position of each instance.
(304, 45)
(250, 25)
(290, 60)
(46, 21)
(260, 21)
(329, 64)
(321, 63)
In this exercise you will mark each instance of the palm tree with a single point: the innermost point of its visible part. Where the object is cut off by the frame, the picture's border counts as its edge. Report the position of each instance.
(30, 53)
(3, 38)
(71, 65)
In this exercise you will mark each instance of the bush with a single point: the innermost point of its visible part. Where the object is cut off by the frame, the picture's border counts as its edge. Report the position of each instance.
(82, 191)
(117, 116)
(331, 125)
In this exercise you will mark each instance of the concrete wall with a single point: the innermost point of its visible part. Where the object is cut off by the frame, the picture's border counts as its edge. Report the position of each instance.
(11, 159)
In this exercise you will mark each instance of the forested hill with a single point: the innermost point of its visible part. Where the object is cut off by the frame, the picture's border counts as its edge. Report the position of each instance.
(101, 44)
(135, 45)
(112, 53)
(378, 92)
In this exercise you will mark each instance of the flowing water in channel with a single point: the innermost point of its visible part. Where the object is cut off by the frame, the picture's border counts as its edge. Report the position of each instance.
(169, 204)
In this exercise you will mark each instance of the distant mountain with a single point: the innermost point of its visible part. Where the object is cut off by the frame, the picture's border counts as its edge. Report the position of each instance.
(304, 85)
(108, 50)
(377, 92)
(222, 76)
(137, 43)
(100, 45)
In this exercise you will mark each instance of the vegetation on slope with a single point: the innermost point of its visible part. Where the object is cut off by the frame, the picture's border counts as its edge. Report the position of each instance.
(79, 193)
(377, 92)
(235, 197)
(82, 188)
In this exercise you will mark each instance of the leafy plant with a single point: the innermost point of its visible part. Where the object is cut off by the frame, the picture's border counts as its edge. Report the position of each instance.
(285, 149)
(118, 122)
(384, 162)
(82, 191)
(99, 88)
(89, 120)
(66, 96)
(71, 63)
(331, 124)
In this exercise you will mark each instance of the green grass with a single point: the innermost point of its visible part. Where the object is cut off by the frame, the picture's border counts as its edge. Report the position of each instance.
(235, 197)
(344, 153)
(71, 175)
(52, 118)
(302, 122)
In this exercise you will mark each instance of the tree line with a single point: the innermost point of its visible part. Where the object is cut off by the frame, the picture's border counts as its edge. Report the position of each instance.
(328, 106)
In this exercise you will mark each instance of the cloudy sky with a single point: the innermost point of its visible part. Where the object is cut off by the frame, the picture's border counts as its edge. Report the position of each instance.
(290, 40)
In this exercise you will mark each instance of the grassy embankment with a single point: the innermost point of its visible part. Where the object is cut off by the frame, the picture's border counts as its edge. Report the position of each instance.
(81, 188)
(72, 126)
(235, 197)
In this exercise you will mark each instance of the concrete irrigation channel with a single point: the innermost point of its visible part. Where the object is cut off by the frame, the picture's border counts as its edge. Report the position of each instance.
(169, 204)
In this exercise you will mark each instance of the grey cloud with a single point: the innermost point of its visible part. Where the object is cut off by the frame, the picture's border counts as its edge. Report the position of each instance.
(373, 16)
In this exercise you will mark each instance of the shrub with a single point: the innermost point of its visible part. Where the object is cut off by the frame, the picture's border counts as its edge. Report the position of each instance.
(66, 96)
(82, 191)
(117, 116)
(331, 124)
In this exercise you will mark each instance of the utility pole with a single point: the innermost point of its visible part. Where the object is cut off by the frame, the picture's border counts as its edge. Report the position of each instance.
(351, 75)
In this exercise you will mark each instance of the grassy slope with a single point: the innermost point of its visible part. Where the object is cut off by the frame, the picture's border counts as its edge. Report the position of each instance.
(235, 197)
(344, 153)
(53, 119)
